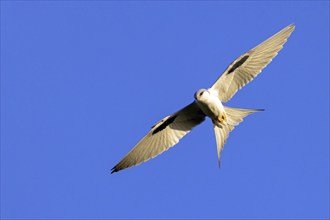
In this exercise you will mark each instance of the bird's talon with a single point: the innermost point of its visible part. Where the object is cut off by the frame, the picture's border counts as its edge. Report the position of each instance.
(222, 118)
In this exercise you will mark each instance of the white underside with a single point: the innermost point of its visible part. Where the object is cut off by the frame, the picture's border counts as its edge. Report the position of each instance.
(210, 104)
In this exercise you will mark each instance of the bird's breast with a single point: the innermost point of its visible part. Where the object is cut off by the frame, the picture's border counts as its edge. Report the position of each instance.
(211, 106)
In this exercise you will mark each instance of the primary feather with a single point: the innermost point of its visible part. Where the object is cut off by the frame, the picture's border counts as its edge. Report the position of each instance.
(162, 136)
(250, 64)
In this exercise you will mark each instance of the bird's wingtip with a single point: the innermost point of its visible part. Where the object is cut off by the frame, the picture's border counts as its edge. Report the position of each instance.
(114, 169)
(293, 25)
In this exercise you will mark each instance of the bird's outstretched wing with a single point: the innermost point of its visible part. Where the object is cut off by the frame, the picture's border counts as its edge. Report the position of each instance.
(250, 64)
(163, 135)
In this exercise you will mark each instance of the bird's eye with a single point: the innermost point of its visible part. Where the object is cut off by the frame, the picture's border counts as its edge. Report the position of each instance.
(200, 94)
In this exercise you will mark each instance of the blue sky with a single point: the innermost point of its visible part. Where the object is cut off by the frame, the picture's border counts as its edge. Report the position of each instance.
(83, 81)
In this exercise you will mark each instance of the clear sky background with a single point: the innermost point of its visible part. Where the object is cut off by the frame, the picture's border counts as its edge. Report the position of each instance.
(82, 82)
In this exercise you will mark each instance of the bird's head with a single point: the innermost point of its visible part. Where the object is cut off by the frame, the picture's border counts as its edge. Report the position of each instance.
(201, 93)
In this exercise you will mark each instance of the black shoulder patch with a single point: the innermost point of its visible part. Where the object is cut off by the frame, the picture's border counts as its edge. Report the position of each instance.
(238, 64)
(166, 123)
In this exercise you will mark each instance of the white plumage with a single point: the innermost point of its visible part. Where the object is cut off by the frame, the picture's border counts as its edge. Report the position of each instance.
(208, 103)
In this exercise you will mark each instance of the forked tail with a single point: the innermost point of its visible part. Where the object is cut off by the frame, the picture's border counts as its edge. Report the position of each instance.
(234, 117)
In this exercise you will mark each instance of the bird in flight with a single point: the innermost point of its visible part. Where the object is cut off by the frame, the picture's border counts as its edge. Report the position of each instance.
(208, 103)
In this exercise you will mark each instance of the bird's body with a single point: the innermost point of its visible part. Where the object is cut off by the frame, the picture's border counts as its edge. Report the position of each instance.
(208, 103)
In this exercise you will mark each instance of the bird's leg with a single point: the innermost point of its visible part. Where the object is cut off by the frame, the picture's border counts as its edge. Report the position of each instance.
(222, 118)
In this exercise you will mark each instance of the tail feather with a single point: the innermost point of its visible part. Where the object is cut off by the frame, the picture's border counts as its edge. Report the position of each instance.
(234, 117)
